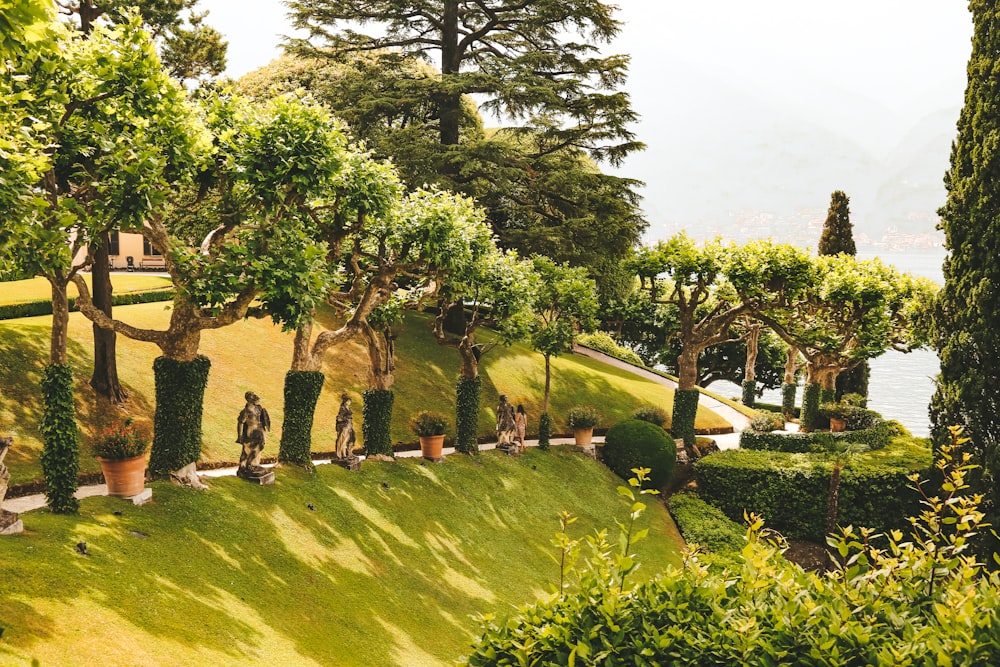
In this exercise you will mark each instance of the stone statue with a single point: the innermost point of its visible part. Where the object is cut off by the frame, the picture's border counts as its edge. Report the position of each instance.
(506, 425)
(10, 524)
(345, 429)
(250, 427)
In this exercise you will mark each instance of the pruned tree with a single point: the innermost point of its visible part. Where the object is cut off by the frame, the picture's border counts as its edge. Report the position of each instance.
(688, 279)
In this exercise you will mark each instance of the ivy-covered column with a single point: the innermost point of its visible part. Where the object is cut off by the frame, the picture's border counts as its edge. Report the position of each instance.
(61, 450)
(683, 416)
(302, 390)
(788, 400)
(467, 402)
(544, 430)
(749, 393)
(376, 420)
(180, 395)
(810, 417)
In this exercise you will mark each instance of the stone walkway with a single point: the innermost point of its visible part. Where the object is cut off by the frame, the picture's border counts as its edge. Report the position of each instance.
(725, 441)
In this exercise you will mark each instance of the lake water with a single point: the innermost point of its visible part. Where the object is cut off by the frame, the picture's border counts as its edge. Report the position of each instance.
(900, 385)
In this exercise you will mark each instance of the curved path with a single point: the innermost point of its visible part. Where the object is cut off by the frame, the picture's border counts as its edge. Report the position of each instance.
(725, 441)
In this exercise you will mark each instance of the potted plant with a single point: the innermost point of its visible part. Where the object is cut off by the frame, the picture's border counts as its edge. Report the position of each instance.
(121, 449)
(583, 419)
(837, 414)
(430, 427)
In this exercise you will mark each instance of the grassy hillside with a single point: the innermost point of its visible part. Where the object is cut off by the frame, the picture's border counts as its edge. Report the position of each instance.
(255, 355)
(385, 570)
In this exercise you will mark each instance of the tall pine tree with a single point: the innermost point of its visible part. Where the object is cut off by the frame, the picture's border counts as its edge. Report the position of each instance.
(968, 307)
(838, 237)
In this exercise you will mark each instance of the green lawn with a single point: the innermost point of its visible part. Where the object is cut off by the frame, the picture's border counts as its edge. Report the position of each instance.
(386, 570)
(37, 289)
(255, 355)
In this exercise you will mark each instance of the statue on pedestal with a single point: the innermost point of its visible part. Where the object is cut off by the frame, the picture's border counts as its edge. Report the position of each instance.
(9, 521)
(506, 424)
(250, 427)
(345, 429)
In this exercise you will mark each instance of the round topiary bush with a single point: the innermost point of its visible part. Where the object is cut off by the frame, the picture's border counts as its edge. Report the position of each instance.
(638, 444)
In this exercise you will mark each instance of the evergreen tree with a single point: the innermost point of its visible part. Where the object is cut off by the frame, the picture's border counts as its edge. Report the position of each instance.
(838, 237)
(837, 234)
(968, 307)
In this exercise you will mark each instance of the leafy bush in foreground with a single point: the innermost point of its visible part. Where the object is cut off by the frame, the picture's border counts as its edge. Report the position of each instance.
(893, 601)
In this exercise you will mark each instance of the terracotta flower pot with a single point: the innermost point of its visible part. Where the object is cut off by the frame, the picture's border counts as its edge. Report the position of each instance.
(125, 477)
(583, 436)
(837, 425)
(431, 445)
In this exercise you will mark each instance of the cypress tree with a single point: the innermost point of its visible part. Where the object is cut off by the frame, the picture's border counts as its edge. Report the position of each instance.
(838, 237)
(968, 307)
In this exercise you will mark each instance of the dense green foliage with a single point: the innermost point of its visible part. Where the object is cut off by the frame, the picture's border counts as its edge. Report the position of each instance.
(705, 525)
(837, 236)
(749, 392)
(61, 454)
(965, 320)
(603, 342)
(639, 444)
(766, 421)
(376, 418)
(180, 392)
(875, 437)
(302, 392)
(468, 392)
(651, 414)
(583, 416)
(790, 490)
(811, 417)
(427, 423)
(685, 409)
(544, 430)
(788, 399)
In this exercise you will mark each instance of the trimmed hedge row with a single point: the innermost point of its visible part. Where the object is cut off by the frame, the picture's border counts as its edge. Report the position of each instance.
(781, 409)
(15, 311)
(790, 490)
(706, 525)
(603, 342)
(816, 442)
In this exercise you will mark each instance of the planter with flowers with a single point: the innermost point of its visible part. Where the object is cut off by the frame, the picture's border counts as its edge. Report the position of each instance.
(583, 419)
(121, 451)
(430, 428)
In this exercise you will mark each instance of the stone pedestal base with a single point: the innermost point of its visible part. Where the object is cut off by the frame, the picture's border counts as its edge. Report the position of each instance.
(352, 463)
(142, 497)
(587, 450)
(261, 478)
(10, 524)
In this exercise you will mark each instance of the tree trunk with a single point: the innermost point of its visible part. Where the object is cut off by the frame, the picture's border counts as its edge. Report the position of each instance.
(753, 347)
(60, 321)
(791, 365)
(548, 384)
(302, 357)
(449, 104)
(833, 497)
(380, 372)
(105, 377)
(687, 369)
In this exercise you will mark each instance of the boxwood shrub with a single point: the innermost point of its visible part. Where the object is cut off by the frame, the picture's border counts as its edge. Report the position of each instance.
(635, 443)
(705, 525)
(874, 438)
(789, 490)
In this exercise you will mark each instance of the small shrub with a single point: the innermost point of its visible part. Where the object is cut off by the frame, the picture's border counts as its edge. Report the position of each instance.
(651, 414)
(583, 416)
(766, 421)
(121, 441)
(706, 525)
(602, 342)
(860, 418)
(639, 444)
(428, 423)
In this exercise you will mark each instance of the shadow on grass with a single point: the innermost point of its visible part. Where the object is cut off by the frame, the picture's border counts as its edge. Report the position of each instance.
(386, 569)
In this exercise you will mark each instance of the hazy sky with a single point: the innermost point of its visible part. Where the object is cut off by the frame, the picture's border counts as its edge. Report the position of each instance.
(703, 74)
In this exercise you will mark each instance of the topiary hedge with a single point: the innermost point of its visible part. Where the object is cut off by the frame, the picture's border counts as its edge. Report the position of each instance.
(376, 420)
(635, 443)
(788, 400)
(467, 400)
(602, 342)
(60, 438)
(180, 398)
(749, 393)
(705, 525)
(35, 308)
(302, 390)
(811, 418)
(875, 438)
(790, 490)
